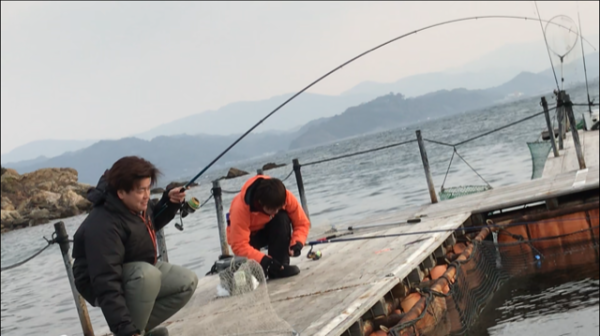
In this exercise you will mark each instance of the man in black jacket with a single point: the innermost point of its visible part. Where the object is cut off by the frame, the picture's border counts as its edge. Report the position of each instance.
(115, 252)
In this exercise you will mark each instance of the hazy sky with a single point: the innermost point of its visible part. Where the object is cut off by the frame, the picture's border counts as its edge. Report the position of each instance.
(91, 70)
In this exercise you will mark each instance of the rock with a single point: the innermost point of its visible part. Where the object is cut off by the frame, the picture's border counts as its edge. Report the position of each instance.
(157, 191)
(272, 165)
(9, 216)
(180, 184)
(38, 214)
(7, 204)
(40, 196)
(234, 172)
(3, 171)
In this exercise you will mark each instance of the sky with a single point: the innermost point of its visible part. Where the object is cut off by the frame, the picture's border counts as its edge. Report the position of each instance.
(107, 70)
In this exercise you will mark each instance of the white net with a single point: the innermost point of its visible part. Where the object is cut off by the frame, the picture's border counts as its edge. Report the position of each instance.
(562, 35)
(236, 303)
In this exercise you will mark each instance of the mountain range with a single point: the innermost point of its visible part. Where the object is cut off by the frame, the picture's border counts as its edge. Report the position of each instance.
(178, 148)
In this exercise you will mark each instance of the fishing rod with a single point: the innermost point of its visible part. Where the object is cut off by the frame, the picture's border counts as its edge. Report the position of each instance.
(403, 234)
(587, 87)
(352, 229)
(373, 226)
(547, 46)
(485, 17)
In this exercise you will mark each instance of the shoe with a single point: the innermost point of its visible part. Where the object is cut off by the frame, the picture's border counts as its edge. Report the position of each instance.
(286, 272)
(159, 331)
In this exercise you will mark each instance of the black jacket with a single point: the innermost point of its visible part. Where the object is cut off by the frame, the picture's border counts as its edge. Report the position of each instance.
(109, 237)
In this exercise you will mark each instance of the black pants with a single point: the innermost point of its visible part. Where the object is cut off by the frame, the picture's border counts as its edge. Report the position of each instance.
(277, 235)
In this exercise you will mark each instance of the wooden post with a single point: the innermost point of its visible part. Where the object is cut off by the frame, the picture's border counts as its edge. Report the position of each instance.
(161, 243)
(62, 238)
(560, 117)
(217, 194)
(300, 184)
(550, 128)
(430, 184)
(574, 132)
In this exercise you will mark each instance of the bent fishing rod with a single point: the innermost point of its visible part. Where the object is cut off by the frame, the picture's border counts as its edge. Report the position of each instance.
(484, 17)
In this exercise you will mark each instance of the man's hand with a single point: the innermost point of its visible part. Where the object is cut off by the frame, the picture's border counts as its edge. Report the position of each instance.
(296, 250)
(176, 195)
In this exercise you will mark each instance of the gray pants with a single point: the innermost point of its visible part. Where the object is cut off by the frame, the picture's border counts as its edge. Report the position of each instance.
(155, 293)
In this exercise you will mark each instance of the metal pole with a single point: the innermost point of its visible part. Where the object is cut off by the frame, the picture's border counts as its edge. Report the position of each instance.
(574, 132)
(550, 128)
(217, 194)
(300, 184)
(430, 184)
(161, 242)
(62, 238)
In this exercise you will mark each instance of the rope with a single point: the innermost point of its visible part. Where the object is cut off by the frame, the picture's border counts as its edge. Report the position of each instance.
(359, 153)
(439, 143)
(473, 169)
(500, 128)
(230, 191)
(288, 176)
(208, 199)
(50, 242)
(448, 171)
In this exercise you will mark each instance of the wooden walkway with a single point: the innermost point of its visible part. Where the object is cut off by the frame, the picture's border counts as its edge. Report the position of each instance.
(567, 161)
(331, 294)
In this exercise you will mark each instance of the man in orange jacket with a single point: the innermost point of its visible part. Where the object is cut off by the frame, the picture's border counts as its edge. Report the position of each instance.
(263, 214)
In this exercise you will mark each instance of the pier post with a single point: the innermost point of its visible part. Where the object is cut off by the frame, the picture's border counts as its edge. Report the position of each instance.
(62, 238)
(430, 184)
(300, 184)
(574, 132)
(259, 171)
(560, 117)
(550, 128)
(217, 194)
(161, 243)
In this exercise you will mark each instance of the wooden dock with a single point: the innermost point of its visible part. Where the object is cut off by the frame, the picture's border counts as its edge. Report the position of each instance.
(330, 296)
(567, 161)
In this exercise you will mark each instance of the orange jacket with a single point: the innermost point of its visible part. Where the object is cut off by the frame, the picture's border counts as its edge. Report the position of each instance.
(242, 222)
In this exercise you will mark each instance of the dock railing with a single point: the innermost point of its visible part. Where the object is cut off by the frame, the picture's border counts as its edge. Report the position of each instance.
(60, 236)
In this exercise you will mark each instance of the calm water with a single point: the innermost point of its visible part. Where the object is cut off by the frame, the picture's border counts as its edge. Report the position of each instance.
(36, 298)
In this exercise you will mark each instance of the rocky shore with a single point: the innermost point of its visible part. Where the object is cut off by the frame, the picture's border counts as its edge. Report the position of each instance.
(41, 196)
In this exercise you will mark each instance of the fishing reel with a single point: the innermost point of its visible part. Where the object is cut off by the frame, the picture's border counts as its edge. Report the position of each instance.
(187, 208)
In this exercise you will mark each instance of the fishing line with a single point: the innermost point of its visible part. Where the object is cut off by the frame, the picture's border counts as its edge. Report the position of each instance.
(547, 46)
(343, 65)
(587, 87)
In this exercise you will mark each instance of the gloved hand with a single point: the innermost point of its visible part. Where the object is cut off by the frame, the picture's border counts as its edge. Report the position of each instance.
(269, 263)
(296, 249)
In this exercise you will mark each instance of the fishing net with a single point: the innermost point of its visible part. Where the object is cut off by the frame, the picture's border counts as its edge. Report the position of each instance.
(455, 192)
(539, 154)
(238, 304)
(562, 35)
(483, 269)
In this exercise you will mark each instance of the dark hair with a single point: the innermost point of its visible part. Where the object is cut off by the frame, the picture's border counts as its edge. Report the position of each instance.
(271, 193)
(124, 173)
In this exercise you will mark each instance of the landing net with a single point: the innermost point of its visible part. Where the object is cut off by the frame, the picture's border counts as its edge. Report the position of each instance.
(237, 304)
(539, 155)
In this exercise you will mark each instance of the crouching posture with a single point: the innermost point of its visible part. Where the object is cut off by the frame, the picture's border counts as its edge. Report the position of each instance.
(265, 214)
(115, 252)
